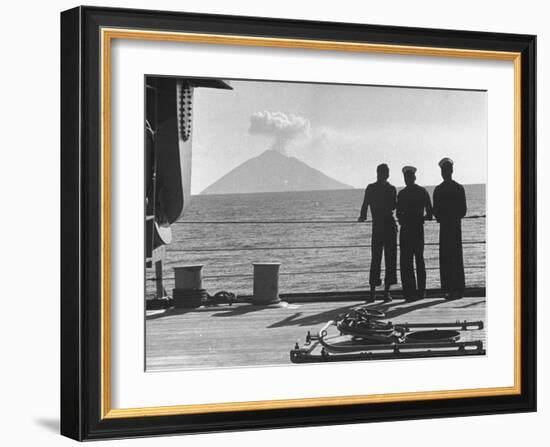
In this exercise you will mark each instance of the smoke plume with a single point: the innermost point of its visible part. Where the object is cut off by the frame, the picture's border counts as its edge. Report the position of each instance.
(281, 127)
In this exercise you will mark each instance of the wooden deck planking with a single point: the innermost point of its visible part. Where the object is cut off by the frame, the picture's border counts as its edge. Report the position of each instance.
(247, 335)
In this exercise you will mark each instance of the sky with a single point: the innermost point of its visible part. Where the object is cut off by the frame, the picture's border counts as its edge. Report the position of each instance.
(342, 130)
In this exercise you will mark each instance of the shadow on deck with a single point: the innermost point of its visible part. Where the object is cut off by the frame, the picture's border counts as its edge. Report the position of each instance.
(263, 335)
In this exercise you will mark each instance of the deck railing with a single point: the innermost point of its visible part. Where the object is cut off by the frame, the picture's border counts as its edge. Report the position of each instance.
(225, 249)
(291, 222)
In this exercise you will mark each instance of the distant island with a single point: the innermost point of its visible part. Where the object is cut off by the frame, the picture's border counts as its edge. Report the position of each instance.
(273, 171)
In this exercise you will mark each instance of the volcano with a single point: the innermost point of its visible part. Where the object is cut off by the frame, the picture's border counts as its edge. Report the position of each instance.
(272, 171)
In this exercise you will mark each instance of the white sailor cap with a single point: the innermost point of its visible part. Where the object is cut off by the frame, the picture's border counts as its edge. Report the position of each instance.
(445, 161)
(406, 169)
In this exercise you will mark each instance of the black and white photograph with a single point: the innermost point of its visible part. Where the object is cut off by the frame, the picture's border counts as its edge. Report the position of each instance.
(295, 222)
(275, 224)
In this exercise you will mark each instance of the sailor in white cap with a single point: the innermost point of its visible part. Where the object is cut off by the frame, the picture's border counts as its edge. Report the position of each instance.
(449, 208)
(413, 208)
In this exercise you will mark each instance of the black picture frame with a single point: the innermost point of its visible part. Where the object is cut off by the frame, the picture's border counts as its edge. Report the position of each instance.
(81, 208)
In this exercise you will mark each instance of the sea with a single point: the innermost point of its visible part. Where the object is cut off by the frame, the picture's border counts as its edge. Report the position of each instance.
(314, 235)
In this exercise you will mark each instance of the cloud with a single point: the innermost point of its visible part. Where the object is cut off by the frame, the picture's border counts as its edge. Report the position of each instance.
(282, 127)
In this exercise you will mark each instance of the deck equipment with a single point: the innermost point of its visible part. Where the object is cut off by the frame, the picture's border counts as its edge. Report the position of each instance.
(365, 334)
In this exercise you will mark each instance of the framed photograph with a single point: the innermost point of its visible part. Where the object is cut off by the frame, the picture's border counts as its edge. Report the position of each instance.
(275, 223)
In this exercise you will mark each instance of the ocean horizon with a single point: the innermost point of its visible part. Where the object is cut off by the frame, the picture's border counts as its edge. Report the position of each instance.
(362, 188)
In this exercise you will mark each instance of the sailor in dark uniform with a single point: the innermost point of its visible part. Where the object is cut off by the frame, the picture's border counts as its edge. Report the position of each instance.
(449, 209)
(412, 202)
(381, 198)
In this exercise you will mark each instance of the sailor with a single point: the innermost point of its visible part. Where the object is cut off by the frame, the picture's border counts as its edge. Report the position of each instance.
(449, 208)
(413, 208)
(381, 198)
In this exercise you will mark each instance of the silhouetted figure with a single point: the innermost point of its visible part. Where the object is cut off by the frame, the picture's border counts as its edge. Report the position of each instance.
(381, 198)
(449, 209)
(411, 203)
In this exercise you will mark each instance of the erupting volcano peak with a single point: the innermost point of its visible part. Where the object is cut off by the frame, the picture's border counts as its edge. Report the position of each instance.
(272, 171)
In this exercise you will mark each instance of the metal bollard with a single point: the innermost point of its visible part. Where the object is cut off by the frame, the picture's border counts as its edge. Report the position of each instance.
(266, 283)
(188, 292)
(188, 276)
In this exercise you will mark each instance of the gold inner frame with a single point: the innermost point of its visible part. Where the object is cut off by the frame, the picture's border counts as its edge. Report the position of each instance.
(107, 35)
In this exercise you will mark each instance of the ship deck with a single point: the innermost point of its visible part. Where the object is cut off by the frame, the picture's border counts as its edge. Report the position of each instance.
(245, 335)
